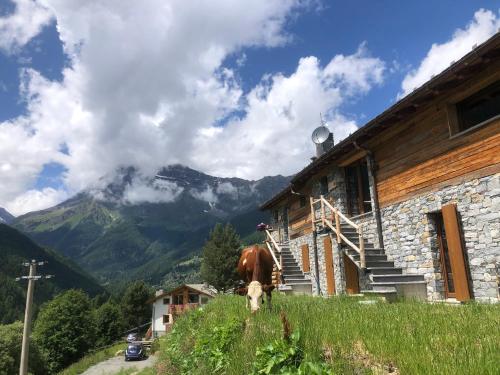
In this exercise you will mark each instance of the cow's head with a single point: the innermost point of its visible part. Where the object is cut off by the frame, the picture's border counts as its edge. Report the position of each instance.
(254, 293)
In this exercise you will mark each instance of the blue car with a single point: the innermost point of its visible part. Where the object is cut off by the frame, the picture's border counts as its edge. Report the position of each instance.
(134, 351)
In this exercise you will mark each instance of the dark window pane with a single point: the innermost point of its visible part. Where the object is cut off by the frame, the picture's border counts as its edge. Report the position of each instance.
(479, 107)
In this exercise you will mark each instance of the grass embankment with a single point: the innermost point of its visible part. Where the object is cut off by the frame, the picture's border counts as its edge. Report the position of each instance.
(340, 333)
(92, 359)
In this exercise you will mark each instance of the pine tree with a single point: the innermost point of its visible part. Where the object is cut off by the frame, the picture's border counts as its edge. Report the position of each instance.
(221, 253)
(135, 307)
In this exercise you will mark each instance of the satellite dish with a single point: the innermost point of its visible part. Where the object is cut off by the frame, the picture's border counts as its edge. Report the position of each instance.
(320, 134)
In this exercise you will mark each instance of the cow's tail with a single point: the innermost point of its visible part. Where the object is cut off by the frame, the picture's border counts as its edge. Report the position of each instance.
(257, 269)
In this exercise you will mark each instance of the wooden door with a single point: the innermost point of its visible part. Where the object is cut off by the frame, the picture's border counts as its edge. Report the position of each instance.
(456, 252)
(351, 276)
(306, 264)
(330, 279)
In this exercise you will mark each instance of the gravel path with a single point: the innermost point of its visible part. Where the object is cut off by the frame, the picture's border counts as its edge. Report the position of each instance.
(115, 364)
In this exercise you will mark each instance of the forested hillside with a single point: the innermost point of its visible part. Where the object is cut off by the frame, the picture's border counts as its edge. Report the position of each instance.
(16, 248)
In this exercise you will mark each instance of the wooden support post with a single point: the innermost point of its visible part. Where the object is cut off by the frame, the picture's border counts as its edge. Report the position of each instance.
(361, 248)
(337, 225)
(313, 214)
(23, 368)
(323, 216)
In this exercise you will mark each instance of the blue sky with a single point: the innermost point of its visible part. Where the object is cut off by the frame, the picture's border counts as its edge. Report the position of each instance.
(85, 88)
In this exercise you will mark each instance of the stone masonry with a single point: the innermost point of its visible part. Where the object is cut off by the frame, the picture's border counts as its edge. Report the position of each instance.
(411, 242)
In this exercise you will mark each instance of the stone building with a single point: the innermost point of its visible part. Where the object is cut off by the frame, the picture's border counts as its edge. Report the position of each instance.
(409, 204)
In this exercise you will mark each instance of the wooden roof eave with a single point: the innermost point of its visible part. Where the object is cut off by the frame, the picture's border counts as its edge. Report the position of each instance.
(448, 79)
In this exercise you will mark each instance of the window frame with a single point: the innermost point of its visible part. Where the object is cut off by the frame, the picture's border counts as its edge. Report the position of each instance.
(454, 122)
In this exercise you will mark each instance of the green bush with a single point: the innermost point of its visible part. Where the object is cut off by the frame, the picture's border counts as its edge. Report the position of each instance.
(108, 323)
(11, 336)
(64, 329)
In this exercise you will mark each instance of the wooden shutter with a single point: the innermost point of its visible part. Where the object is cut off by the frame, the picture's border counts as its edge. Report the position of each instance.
(306, 265)
(330, 280)
(456, 252)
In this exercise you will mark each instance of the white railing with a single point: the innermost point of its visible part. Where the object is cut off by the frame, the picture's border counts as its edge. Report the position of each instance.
(334, 224)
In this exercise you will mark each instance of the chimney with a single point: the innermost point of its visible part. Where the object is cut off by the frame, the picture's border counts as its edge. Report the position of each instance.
(159, 292)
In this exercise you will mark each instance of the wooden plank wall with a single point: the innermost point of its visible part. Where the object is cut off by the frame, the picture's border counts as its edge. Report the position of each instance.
(420, 155)
(299, 218)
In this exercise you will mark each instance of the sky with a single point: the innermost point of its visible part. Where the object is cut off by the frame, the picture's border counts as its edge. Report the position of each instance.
(230, 88)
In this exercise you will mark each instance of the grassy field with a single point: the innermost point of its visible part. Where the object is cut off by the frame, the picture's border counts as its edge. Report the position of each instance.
(92, 359)
(337, 336)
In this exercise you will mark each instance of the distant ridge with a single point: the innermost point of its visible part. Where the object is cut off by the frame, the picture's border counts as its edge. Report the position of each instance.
(5, 216)
(16, 248)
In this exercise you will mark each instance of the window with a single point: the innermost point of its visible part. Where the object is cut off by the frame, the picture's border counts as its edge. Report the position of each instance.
(302, 201)
(204, 299)
(177, 299)
(166, 319)
(193, 298)
(323, 185)
(166, 301)
(477, 108)
(275, 216)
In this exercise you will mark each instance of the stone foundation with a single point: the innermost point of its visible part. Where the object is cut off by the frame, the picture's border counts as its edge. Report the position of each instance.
(411, 242)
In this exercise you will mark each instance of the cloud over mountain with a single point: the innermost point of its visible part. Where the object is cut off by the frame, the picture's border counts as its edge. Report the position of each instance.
(147, 85)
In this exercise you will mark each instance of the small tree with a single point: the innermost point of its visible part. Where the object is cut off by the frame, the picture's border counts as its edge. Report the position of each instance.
(11, 336)
(108, 323)
(64, 329)
(221, 253)
(135, 307)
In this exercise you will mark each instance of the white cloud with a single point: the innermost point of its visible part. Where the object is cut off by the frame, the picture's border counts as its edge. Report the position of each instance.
(141, 191)
(34, 200)
(484, 24)
(227, 188)
(19, 27)
(146, 86)
(206, 195)
(282, 111)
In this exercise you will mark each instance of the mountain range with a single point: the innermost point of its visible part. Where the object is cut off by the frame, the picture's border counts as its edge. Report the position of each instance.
(146, 227)
(15, 249)
(5, 216)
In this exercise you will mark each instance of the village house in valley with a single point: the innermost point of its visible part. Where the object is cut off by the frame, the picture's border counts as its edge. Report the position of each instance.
(407, 205)
(168, 305)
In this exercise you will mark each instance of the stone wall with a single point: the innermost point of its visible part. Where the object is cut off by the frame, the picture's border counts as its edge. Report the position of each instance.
(410, 235)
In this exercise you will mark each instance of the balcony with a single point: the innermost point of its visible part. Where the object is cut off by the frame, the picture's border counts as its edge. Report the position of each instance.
(179, 309)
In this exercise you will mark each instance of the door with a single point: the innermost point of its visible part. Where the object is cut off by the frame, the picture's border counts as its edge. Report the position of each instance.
(358, 189)
(453, 261)
(306, 264)
(351, 276)
(330, 277)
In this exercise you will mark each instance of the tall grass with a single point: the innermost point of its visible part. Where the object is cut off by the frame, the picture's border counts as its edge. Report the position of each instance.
(416, 338)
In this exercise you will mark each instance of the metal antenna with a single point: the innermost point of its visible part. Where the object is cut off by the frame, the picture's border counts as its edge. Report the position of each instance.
(23, 367)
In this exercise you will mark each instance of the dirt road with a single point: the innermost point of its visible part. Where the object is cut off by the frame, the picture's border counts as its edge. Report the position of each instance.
(115, 364)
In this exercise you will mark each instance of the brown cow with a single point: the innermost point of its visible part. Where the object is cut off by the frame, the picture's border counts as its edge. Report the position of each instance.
(256, 269)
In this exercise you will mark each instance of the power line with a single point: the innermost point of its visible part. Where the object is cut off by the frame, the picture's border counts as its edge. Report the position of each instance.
(23, 367)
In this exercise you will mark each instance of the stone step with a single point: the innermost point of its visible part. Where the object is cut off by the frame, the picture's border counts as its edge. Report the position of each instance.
(369, 257)
(298, 282)
(289, 280)
(291, 268)
(389, 285)
(374, 264)
(385, 271)
(396, 278)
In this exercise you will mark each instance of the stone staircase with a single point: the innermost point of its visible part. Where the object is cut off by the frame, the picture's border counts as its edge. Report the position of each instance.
(295, 281)
(385, 279)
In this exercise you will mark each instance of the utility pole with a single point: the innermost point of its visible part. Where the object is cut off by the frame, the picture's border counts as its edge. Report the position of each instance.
(23, 367)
